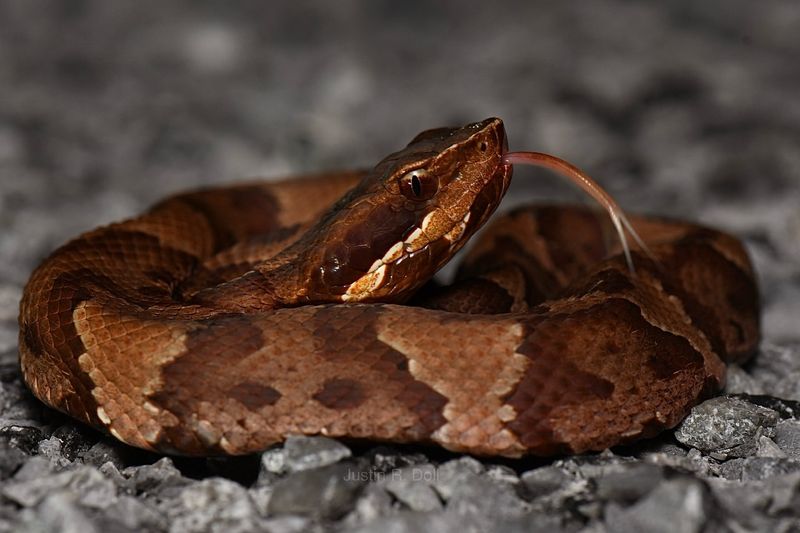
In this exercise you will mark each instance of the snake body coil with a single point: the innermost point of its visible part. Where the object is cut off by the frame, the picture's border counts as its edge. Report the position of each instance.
(223, 320)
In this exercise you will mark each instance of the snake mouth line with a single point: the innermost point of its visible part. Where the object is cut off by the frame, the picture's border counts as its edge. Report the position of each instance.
(400, 251)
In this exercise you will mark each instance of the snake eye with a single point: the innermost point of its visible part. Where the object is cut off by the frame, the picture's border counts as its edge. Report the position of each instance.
(418, 185)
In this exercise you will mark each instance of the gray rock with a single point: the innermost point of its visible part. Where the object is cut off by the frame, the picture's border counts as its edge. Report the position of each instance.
(468, 490)
(591, 466)
(545, 522)
(273, 465)
(25, 438)
(124, 484)
(10, 295)
(502, 474)
(785, 408)
(303, 453)
(134, 515)
(51, 448)
(726, 427)
(89, 487)
(409, 522)
(385, 459)
(545, 480)
(731, 470)
(739, 500)
(62, 447)
(214, 504)
(9, 374)
(768, 448)
(753, 504)
(777, 367)
(260, 495)
(328, 492)
(35, 468)
(412, 486)
(10, 517)
(787, 437)
(451, 522)
(682, 460)
(288, 524)
(630, 482)
(11, 459)
(60, 512)
(104, 452)
(738, 381)
(675, 505)
(784, 494)
(156, 477)
(373, 503)
(452, 473)
(75, 440)
(18, 409)
(658, 448)
(757, 468)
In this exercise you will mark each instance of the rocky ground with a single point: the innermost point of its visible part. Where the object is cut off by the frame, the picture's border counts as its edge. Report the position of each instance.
(684, 108)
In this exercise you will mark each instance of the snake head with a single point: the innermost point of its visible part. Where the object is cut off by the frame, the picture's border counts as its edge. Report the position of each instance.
(409, 215)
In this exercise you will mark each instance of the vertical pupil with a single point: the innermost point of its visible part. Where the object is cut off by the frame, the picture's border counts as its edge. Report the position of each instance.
(416, 186)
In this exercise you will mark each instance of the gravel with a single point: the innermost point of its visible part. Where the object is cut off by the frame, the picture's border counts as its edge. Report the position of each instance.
(727, 427)
(680, 108)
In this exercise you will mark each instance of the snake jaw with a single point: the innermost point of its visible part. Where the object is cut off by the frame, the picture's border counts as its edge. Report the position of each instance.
(457, 231)
(364, 288)
(365, 285)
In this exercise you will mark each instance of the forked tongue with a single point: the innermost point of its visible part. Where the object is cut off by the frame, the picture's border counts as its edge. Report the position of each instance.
(591, 187)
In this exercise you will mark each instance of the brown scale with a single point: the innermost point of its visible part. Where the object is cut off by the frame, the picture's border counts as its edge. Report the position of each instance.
(223, 320)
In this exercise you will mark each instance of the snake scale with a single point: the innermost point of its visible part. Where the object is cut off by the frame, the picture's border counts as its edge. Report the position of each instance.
(223, 320)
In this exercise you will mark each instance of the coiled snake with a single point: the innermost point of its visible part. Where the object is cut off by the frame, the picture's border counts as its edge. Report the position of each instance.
(223, 320)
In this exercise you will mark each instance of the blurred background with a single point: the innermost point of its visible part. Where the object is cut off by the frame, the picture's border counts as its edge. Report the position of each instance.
(678, 107)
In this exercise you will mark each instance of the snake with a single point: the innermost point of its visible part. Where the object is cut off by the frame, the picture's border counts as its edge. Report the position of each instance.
(224, 320)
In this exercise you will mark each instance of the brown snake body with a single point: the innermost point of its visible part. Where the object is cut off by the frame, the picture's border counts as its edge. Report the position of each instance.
(223, 320)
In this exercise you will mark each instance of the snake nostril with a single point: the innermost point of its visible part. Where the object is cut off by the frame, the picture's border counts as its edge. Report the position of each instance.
(483, 146)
